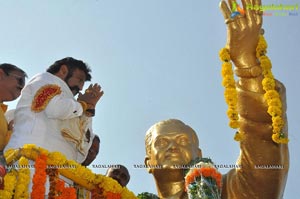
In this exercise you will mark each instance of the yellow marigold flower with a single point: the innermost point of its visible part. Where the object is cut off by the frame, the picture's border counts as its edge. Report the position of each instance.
(9, 185)
(234, 124)
(23, 161)
(227, 69)
(268, 84)
(275, 137)
(280, 138)
(261, 46)
(275, 102)
(276, 129)
(239, 136)
(57, 158)
(224, 54)
(261, 52)
(27, 152)
(230, 99)
(277, 124)
(232, 114)
(43, 151)
(230, 91)
(21, 189)
(232, 106)
(277, 121)
(72, 164)
(9, 152)
(265, 63)
(111, 185)
(268, 73)
(274, 111)
(228, 81)
(29, 146)
(271, 94)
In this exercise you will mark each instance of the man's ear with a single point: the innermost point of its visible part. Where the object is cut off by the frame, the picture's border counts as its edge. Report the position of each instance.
(147, 162)
(2, 73)
(63, 71)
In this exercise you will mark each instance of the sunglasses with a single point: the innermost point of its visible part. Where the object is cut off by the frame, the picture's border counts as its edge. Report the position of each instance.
(19, 78)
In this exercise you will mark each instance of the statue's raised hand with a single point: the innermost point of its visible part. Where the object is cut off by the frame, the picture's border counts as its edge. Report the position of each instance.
(243, 29)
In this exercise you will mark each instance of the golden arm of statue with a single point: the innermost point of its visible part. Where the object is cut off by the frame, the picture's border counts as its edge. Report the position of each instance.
(264, 164)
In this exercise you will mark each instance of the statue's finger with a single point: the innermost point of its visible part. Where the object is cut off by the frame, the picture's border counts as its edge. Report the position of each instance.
(256, 2)
(259, 13)
(225, 10)
(232, 4)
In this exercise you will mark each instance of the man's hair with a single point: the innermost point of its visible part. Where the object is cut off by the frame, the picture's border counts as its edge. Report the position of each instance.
(7, 68)
(119, 166)
(183, 126)
(72, 64)
(97, 138)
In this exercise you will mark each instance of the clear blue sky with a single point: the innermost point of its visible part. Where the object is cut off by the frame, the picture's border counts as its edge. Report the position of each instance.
(155, 59)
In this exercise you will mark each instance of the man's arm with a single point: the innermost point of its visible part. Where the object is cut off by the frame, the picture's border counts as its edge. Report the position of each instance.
(264, 164)
(61, 107)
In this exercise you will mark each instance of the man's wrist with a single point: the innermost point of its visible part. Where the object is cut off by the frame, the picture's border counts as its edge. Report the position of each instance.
(88, 109)
(84, 105)
(90, 112)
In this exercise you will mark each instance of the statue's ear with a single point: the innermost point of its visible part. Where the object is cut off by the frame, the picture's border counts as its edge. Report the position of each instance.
(147, 162)
(199, 153)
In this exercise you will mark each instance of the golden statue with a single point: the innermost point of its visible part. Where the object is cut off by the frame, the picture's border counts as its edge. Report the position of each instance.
(171, 142)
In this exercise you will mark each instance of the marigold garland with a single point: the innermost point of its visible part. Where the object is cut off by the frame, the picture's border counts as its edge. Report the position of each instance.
(10, 181)
(110, 195)
(203, 180)
(105, 187)
(23, 179)
(53, 176)
(39, 177)
(230, 93)
(97, 193)
(59, 186)
(271, 96)
(64, 192)
(147, 195)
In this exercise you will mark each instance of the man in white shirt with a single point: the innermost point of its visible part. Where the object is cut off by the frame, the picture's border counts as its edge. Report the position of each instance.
(47, 113)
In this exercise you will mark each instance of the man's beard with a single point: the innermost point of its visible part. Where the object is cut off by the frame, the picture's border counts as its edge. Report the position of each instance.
(74, 89)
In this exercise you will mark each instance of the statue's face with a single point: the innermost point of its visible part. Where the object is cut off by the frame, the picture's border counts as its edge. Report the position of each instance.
(173, 146)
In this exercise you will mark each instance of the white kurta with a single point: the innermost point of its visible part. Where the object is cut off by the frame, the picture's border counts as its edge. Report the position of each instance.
(44, 128)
